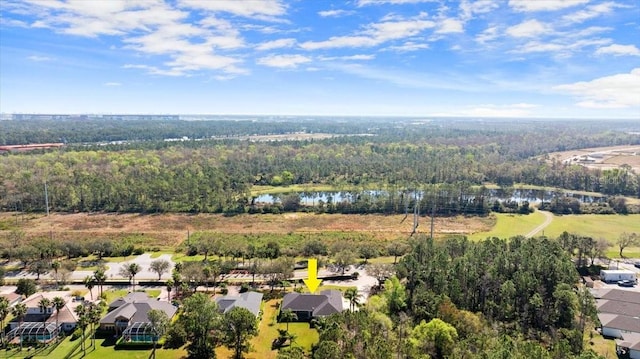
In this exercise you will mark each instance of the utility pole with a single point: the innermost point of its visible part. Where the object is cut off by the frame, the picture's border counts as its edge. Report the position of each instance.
(433, 214)
(46, 198)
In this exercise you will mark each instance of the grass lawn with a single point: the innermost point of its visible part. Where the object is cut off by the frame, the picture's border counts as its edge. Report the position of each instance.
(268, 331)
(593, 340)
(605, 226)
(510, 225)
(105, 349)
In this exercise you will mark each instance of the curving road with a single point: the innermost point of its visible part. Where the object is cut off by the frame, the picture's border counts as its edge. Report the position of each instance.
(547, 221)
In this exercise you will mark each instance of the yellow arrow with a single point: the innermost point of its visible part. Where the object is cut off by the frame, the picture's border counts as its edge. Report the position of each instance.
(312, 282)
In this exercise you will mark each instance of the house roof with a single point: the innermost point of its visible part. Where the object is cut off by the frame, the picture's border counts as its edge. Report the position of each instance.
(247, 300)
(619, 295)
(622, 322)
(137, 311)
(618, 307)
(326, 303)
(629, 340)
(13, 298)
(129, 298)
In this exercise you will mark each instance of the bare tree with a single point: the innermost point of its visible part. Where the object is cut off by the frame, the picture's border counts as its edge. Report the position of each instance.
(160, 266)
(626, 240)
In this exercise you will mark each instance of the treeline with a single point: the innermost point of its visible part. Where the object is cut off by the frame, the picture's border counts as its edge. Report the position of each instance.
(217, 176)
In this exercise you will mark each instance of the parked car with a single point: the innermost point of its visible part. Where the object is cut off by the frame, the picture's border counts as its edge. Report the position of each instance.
(637, 264)
(626, 283)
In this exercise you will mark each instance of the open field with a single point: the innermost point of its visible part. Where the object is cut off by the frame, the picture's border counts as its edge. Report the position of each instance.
(168, 230)
(605, 226)
(509, 225)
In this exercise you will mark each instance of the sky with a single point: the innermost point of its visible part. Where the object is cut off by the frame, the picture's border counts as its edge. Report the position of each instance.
(479, 59)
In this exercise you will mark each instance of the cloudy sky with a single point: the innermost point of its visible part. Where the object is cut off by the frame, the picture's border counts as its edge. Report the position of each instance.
(482, 58)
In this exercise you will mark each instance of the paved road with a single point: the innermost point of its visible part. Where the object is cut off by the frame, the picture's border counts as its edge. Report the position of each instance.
(547, 221)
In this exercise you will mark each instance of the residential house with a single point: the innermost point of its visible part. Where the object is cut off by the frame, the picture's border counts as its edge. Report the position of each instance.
(247, 300)
(309, 306)
(39, 323)
(12, 298)
(629, 345)
(619, 316)
(130, 319)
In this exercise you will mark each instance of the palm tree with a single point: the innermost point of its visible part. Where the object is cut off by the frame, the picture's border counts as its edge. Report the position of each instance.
(100, 277)
(4, 312)
(169, 284)
(55, 265)
(44, 304)
(19, 311)
(88, 283)
(287, 316)
(58, 303)
(93, 315)
(130, 270)
(82, 323)
(352, 295)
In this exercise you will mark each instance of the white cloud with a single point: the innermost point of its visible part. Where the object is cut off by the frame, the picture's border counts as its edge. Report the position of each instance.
(283, 61)
(544, 5)
(564, 47)
(38, 58)
(153, 27)
(394, 2)
(154, 70)
(529, 28)
(615, 91)
(112, 84)
(448, 26)
(590, 12)
(348, 58)
(489, 34)
(409, 46)
(335, 13)
(276, 44)
(470, 8)
(261, 9)
(374, 34)
(619, 50)
(490, 110)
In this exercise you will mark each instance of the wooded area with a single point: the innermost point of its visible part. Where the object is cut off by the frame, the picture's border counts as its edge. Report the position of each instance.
(448, 162)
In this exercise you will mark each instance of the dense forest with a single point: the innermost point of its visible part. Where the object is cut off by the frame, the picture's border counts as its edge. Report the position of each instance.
(448, 162)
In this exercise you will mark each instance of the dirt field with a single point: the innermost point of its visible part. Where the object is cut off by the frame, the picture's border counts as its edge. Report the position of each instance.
(601, 157)
(170, 229)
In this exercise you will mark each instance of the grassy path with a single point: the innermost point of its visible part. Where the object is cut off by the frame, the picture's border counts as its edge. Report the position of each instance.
(547, 221)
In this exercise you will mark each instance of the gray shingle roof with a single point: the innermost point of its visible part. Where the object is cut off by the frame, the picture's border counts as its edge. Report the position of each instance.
(619, 295)
(326, 303)
(137, 311)
(617, 307)
(129, 298)
(247, 300)
(622, 322)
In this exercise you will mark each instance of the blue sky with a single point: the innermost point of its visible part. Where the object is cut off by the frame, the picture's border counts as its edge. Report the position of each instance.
(482, 58)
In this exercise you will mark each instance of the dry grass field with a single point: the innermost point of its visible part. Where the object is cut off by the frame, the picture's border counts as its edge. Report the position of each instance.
(168, 230)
